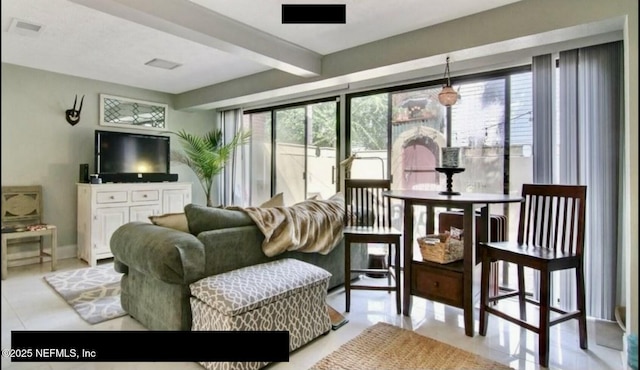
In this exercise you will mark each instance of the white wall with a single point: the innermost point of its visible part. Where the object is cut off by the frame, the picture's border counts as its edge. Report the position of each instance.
(39, 147)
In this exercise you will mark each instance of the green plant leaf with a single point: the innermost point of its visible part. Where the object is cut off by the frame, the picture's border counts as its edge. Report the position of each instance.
(207, 155)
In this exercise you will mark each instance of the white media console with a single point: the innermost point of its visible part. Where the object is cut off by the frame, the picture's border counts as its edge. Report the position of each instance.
(102, 208)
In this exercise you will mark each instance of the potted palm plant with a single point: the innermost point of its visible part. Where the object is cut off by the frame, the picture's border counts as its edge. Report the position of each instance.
(207, 154)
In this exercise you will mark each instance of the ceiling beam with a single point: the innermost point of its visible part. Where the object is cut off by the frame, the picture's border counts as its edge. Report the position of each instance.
(191, 21)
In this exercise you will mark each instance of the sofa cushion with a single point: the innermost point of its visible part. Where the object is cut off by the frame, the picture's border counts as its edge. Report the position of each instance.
(176, 221)
(202, 218)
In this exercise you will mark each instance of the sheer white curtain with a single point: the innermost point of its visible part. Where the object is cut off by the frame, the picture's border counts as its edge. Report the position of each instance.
(236, 183)
(590, 110)
(591, 96)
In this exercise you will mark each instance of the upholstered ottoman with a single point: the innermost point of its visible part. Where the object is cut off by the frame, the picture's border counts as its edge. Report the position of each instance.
(286, 294)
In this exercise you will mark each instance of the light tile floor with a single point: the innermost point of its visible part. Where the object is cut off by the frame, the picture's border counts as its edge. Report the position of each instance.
(28, 303)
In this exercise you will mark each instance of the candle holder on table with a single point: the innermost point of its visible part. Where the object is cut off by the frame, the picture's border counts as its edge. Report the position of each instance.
(449, 171)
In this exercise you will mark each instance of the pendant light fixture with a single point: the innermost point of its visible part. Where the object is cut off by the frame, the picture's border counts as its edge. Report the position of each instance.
(448, 96)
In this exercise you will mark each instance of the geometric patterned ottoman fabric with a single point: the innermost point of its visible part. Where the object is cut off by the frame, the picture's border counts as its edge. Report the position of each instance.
(245, 289)
(281, 295)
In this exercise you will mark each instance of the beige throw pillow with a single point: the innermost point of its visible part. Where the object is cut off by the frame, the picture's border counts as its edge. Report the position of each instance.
(276, 201)
(176, 221)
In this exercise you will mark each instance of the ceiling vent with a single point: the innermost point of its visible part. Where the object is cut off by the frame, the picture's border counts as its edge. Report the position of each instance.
(25, 28)
(161, 63)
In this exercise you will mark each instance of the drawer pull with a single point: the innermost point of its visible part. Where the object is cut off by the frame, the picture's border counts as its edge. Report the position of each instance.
(112, 197)
(144, 196)
(436, 284)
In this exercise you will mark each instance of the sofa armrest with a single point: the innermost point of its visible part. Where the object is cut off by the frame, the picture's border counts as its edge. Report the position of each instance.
(232, 248)
(166, 254)
(119, 266)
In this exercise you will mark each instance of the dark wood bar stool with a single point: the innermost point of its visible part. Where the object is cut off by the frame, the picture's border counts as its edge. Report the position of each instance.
(368, 220)
(550, 238)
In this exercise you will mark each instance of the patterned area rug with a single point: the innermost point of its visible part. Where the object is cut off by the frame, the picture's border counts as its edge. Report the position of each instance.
(384, 346)
(94, 292)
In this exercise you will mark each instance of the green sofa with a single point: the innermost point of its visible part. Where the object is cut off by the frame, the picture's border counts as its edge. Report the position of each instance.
(159, 262)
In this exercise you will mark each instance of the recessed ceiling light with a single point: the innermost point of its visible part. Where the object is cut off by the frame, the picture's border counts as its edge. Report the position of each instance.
(25, 28)
(161, 63)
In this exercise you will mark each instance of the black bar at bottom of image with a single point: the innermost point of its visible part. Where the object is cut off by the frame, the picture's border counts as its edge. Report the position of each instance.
(149, 346)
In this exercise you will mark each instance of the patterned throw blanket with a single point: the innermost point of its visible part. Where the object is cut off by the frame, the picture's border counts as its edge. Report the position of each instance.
(309, 226)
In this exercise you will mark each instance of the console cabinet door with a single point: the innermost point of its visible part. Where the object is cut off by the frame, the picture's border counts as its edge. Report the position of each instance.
(174, 200)
(142, 213)
(106, 221)
(104, 208)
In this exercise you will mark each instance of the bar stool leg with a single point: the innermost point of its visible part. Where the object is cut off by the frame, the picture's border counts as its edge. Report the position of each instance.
(41, 246)
(543, 335)
(398, 278)
(347, 272)
(4, 257)
(484, 293)
(54, 248)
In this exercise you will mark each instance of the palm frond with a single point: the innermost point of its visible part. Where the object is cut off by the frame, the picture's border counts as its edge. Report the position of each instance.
(207, 155)
(213, 139)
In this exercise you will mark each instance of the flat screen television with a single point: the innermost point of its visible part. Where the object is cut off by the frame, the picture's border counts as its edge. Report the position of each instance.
(130, 153)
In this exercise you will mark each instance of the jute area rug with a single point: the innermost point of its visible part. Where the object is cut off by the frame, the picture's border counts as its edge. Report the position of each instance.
(384, 346)
(93, 292)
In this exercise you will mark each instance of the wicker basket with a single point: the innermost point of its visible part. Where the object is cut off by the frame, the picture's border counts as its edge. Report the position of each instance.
(432, 249)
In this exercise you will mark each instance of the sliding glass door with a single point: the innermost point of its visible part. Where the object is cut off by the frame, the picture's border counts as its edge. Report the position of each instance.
(322, 149)
(261, 151)
(368, 136)
(405, 128)
(290, 149)
(294, 151)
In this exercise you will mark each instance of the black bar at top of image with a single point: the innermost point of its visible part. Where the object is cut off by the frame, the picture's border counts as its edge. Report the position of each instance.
(314, 13)
(149, 346)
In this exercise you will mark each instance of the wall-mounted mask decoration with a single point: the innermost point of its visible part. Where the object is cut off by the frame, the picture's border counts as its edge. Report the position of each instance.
(73, 115)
